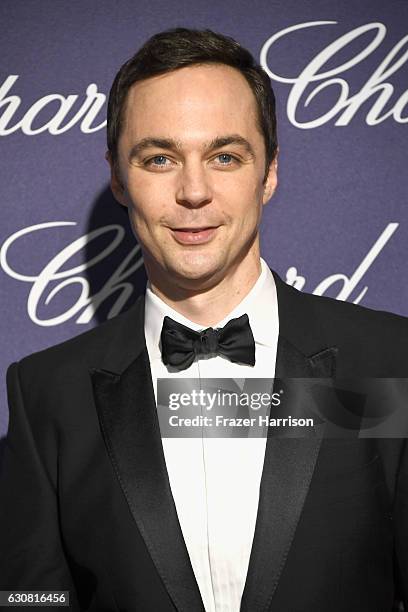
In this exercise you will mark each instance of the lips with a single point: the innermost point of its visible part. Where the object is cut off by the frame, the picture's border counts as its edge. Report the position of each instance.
(193, 229)
(194, 235)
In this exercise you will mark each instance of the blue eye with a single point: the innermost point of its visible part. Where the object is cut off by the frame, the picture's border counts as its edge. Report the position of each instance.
(225, 158)
(159, 160)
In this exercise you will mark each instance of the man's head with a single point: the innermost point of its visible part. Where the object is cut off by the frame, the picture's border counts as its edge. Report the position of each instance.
(192, 143)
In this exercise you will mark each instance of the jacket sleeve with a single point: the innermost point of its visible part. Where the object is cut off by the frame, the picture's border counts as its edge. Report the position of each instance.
(401, 526)
(31, 550)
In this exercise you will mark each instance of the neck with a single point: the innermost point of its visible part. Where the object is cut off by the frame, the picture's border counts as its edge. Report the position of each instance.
(209, 304)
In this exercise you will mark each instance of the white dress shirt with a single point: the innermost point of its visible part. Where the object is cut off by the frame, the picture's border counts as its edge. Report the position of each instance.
(215, 481)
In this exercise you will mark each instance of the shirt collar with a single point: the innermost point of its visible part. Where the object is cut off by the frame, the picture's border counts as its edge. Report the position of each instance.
(260, 304)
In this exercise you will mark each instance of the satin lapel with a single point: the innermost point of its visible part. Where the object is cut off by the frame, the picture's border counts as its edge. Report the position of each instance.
(287, 472)
(127, 414)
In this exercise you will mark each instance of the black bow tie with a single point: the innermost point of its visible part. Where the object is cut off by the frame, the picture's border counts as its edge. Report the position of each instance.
(180, 344)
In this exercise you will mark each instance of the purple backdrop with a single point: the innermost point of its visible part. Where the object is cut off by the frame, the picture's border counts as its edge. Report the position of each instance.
(338, 223)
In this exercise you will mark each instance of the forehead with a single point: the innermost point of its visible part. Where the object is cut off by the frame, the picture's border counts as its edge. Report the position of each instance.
(191, 102)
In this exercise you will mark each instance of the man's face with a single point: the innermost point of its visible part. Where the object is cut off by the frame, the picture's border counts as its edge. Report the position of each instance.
(190, 155)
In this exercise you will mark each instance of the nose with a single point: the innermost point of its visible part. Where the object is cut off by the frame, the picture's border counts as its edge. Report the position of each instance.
(193, 189)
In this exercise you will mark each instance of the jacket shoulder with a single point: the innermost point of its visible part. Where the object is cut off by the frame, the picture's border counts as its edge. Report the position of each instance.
(356, 316)
(91, 345)
(374, 341)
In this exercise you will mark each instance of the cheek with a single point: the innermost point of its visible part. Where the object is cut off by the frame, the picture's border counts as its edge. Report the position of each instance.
(144, 187)
(146, 205)
(240, 199)
(242, 186)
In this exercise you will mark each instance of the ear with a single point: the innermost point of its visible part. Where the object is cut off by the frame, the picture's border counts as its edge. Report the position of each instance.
(271, 181)
(115, 180)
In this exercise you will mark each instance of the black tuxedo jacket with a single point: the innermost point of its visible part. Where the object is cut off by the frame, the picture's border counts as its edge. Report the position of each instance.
(86, 504)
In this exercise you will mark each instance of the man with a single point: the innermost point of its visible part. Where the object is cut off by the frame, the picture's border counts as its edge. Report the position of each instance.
(94, 500)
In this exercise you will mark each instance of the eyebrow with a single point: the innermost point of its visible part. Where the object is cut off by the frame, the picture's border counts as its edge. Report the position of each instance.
(175, 145)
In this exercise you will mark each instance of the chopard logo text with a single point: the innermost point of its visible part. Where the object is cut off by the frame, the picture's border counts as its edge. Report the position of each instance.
(86, 109)
(55, 275)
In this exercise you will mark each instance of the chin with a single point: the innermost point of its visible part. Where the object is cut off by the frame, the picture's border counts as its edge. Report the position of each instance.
(194, 273)
(191, 271)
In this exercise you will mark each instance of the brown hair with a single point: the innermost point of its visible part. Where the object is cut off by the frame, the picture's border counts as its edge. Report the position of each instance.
(181, 47)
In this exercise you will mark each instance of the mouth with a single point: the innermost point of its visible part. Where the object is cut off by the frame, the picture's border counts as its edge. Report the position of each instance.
(194, 235)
